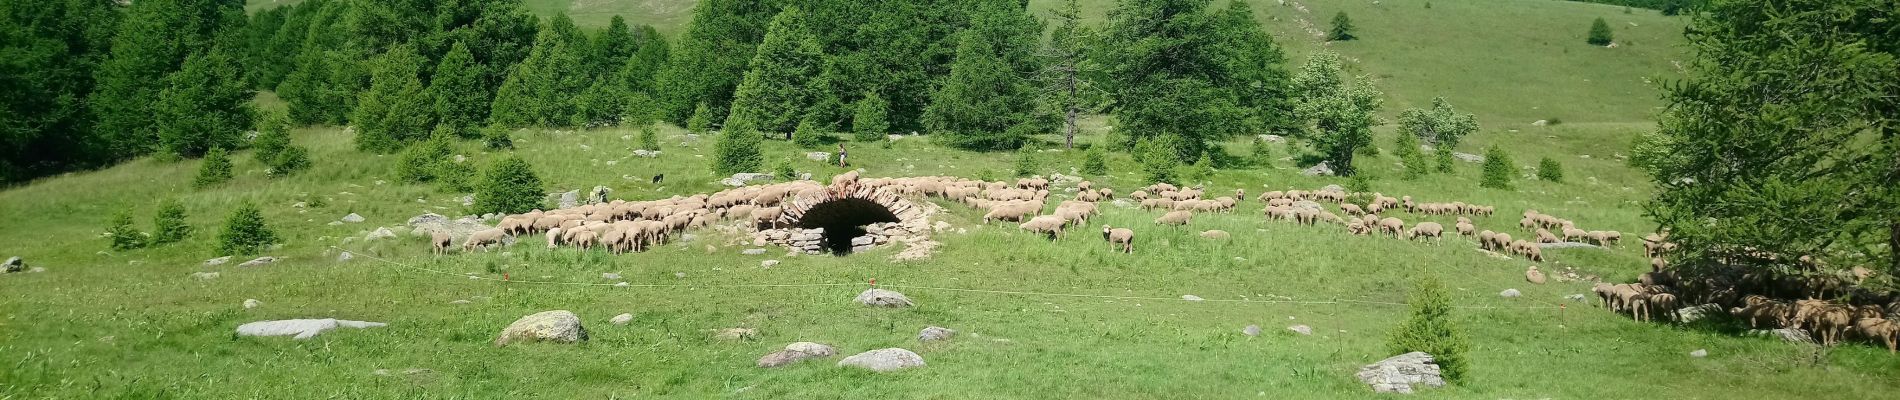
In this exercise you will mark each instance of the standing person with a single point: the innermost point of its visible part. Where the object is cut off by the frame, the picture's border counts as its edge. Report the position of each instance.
(841, 154)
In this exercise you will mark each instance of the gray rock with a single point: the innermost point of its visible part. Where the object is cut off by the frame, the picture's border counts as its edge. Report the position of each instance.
(218, 261)
(612, 276)
(935, 333)
(1301, 329)
(1467, 157)
(1273, 138)
(13, 264)
(1251, 330)
(599, 194)
(884, 360)
(1401, 373)
(378, 234)
(205, 275)
(252, 303)
(300, 328)
(345, 257)
(746, 178)
(884, 298)
(1579, 297)
(1318, 170)
(1510, 293)
(1789, 335)
(1693, 313)
(460, 302)
(558, 326)
(736, 334)
(796, 352)
(36, 270)
(258, 261)
(1699, 353)
(818, 156)
(621, 319)
(752, 252)
(643, 153)
(458, 229)
(1540, 123)
(1190, 297)
(352, 218)
(768, 263)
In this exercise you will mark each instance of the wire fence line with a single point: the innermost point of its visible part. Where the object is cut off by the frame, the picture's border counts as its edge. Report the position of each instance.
(872, 284)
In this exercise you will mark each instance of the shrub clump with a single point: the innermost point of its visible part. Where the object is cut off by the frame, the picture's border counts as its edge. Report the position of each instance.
(1549, 170)
(737, 150)
(215, 169)
(1094, 162)
(245, 232)
(1600, 33)
(1026, 163)
(1430, 330)
(169, 225)
(1498, 169)
(122, 235)
(509, 187)
(649, 140)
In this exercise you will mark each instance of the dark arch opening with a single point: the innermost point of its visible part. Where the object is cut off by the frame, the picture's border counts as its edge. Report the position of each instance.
(844, 220)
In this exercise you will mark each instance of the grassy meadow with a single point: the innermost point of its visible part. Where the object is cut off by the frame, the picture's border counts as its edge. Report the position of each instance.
(102, 324)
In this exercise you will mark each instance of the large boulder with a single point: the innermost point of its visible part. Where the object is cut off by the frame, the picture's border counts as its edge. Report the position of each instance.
(426, 225)
(796, 352)
(746, 178)
(1789, 335)
(883, 298)
(558, 326)
(301, 328)
(1318, 170)
(1401, 373)
(1693, 313)
(884, 360)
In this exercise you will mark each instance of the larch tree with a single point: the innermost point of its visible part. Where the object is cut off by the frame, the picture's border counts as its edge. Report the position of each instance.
(776, 92)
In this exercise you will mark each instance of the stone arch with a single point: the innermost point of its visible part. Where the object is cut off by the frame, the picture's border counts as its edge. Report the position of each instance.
(842, 220)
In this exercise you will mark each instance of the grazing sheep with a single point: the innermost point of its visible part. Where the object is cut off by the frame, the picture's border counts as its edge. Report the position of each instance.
(1392, 226)
(484, 238)
(1544, 236)
(1176, 218)
(1352, 209)
(1047, 224)
(1605, 292)
(1139, 195)
(1466, 229)
(1534, 276)
(1119, 237)
(1108, 193)
(1638, 306)
(1665, 302)
(1426, 229)
(1215, 234)
(442, 241)
(1358, 227)
(1012, 212)
(1534, 252)
(1485, 239)
(1880, 330)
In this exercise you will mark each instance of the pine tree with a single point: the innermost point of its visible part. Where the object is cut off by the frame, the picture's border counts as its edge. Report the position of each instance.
(1600, 32)
(53, 51)
(1094, 162)
(1256, 71)
(122, 234)
(711, 58)
(1026, 164)
(602, 104)
(155, 39)
(988, 101)
(245, 232)
(396, 109)
(1550, 171)
(737, 151)
(1166, 64)
(701, 122)
(169, 226)
(1416, 165)
(206, 104)
(1067, 61)
(871, 119)
(1342, 28)
(460, 90)
(650, 56)
(1200, 170)
(610, 50)
(649, 138)
(809, 133)
(419, 162)
(776, 92)
(215, 169)
(496, 137)
(273, 136)
(289, 161)
(1498, 169)
(1158, 159)
(1262, 155)
(541, 90)
(510, 186)
(1430, 329)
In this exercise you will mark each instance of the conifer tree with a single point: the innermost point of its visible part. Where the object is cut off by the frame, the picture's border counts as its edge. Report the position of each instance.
(153, 40)
(1600, 33)
(460, 91)
(245, 232)
(53, 52)
(650, 56)
(1256, 71)
(776, 92)
(169, 225)
(215, 169)
(206, 104)
(710, 59)
(1430, 329)
(396, 109)
(1549, 170)
(1498, 169)
(609, 51)
(509, 186)
(737, 151)
(273, 136)
(541, 90)
(871, 119)
(1094, 162)
(649, 139)
(122, 234)
(1165, 63)
(988, 93)
(1342, 28)
(701, 122)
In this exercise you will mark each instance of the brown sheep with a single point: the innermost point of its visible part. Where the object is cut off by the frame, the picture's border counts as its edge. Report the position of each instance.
(1426, 229)
(1352, 209)
(1392, 226)
(1358, 227)
(1666, 303)
(1176, 218)
(1215, 234)
(1534, 276)
(1485, 239)
(1880, 330)
(1119, 237)
(1139, 195)
(443, 241)
(483, 239)
(1534, 252)
(1466, 229)
(1048, 224)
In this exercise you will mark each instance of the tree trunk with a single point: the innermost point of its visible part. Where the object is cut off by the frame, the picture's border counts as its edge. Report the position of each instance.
(1893, 247)
(1070, 137)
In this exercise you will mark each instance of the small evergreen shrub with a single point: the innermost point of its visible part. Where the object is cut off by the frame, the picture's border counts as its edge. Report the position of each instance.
(245, 232)
(496, 137)
(456, 177)
(169, 225)
(290, 160)
(737, 150)
(701, 121)
(1342, 28)
(783, 170)
(1600, 33)
(1157, 159)
(215, 169)
(1430, 329)
(510, 186)
(273, 136)
(1444, 159)
(649, 140)
(1094, 162)
(1361, 183)
(1200, 170)
(1026, 162)
(1498, 169)
(1549, 170)
(808, 134)
(121, 233)
(871, 119)
(419, 162)
(1262, 155)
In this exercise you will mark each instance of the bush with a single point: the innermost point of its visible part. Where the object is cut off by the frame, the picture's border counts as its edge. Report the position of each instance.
(1549, 170)
(701, 121)
(736, 151)
(456, 177)
(215, 169)
(783, 170)
(419, 162)
(871, 118)
(1200, 170)
(1093, 162)
(1431, 330)
(122, 234)
(496, 138)
(273, 136)
(509, 187)
(809, 134)
(245, 232)
(1026, 162)
(1445, 160)
(1498, 169)
(289, 161)
(649, 140)
(1416, 165)
(1600, 33)
(1359, 183)
(1342, 28)
(169, 225)
(1262, 153)
(1157, 159)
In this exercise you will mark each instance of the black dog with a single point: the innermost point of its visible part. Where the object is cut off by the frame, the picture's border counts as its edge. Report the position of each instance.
(658, 178)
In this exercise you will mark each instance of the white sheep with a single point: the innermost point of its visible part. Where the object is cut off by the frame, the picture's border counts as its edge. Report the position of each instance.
(1176, 218)
(1122, 237)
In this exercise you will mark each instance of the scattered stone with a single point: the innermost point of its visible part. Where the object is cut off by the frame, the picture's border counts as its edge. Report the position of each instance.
(612, 276)
(680, 275)
(623, 284)
(558, 326)
(252, 303)
(884, 360)
(1273, 138)
(1540, 123)
(1693, 313)
(935, 333)
(643, 153)
(301, 328)
(1575, 297)
(768, 263)
(796, 352)
(1467, 157)
(1789, 335)
(218, 261)
(746, 178)
(1401, 373)
(1318, 170)
(1251, 330)
(752, 252)
(345, 257)
(818, 156)
(1301, 329)
(1190, 297)
(205, 275)
(36, 270)
(1699, 353)
(258, 261)
(736, 334)
(352, 218)
(1510, 293)
(884, 298)
(621, 319)
(599, 194)
(380, 233)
